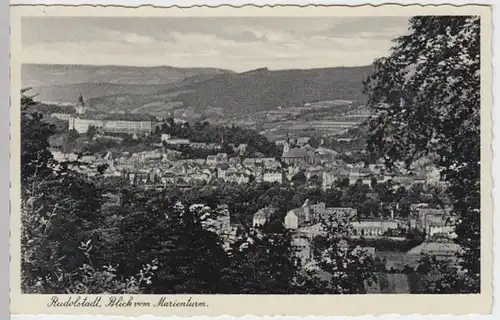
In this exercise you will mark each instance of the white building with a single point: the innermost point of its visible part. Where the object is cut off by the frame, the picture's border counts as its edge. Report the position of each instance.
(262, 216)
(165, 137)
(120, 123)
(174, 141)
(273, 176)
(237, 177)
(312, 214)
(439, 225)
(373, 228)
(327, 180)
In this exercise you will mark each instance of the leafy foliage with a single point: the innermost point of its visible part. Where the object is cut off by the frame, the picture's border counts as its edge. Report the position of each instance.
(443, 278)
(349, 268)
(58, 208)
(205, 132)
(427, 94)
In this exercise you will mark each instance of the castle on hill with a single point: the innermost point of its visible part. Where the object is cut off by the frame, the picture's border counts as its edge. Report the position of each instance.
(111, 123)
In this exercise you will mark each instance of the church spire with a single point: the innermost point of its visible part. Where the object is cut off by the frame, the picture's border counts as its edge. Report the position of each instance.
(80, 100)
(80, 105)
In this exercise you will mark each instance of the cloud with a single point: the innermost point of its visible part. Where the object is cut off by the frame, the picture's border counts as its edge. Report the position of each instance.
(134, 38)
(233, 43)
(244, 36)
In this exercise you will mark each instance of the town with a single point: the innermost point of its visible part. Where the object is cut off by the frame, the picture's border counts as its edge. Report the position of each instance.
(164, 164)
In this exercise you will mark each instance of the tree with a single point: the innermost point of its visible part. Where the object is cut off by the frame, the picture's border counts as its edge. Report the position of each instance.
(299, 178)
(356, 193)
(369, 208)
(36, 159)
(348, 267)
(315, 180)
(58, 210)
(190, 258)
(91, 132)
(441, 277)
(427, 96)
(102, 168)
(72, 136)
(342, 183)
(314, 142)
(264, 262)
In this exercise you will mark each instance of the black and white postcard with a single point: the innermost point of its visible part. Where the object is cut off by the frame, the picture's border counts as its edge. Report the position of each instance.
(314, 160)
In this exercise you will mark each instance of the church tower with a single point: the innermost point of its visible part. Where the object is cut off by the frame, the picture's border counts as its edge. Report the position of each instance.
(286, 145)
(80, 105)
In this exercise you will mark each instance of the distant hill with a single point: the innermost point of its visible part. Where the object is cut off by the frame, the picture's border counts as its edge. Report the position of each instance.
(248, 92)
(34, 75)
(63, 83)
(263, 89)
(70, 92)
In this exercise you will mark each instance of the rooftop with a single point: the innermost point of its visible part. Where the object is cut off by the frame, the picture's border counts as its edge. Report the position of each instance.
(435, 247)
(264, 212)
(117, 116)
(295, 153)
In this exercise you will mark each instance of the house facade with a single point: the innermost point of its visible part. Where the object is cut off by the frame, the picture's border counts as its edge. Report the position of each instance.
(310, 214)
(372, 228)
(262, 216)
(117, 123)
(273, 176)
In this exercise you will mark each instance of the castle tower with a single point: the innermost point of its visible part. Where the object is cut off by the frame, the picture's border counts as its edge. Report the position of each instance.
(80, 105)
(286, 147)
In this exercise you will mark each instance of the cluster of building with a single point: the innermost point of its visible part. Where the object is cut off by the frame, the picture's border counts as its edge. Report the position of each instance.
(322, 165)
(306, 222)
(163, 167)
(433, 221)
(166, 166)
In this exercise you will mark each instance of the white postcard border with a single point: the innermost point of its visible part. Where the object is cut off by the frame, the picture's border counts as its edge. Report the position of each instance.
(270, 304)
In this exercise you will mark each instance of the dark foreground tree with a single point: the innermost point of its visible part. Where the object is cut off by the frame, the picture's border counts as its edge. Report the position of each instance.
(427, 96)
(61, 251)
(58, 210)
(342, 266)
(263, 262)
(36, 159)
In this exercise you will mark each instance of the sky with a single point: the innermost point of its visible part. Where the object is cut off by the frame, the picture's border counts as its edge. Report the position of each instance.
(235, 43)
